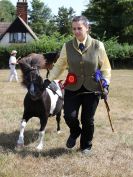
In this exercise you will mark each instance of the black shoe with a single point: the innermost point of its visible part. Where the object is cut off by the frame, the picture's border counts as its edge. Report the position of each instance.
(70, 142)
(85, 145)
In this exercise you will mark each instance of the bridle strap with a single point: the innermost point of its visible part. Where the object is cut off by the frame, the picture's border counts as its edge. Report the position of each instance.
(36, 69)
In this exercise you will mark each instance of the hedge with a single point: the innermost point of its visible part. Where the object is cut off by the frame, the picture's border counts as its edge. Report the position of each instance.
(43, 45)
(120, 55)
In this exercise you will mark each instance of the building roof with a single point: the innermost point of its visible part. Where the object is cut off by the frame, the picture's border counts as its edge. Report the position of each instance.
(16, 26)
(28, 28)
(4, 26)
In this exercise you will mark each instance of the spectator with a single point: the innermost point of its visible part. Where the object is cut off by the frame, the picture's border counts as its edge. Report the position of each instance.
(12, 66)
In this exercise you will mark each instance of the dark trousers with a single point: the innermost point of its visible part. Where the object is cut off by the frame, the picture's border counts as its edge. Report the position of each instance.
(88, 102)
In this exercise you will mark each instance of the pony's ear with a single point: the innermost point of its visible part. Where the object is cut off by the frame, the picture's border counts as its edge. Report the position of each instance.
(51, 57)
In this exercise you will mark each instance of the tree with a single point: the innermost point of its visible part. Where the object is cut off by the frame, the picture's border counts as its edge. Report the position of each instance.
(40, 17)
(111, 18)
(7, 11)
(63, 20)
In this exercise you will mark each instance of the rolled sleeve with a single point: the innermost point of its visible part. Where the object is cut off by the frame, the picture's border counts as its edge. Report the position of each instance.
(105, 64)
(60, 65)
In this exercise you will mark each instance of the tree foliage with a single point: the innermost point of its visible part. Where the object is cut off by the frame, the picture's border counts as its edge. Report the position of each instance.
(42, 22)
(40, 17)
(63, 20)
(7, 11)
(112, 18)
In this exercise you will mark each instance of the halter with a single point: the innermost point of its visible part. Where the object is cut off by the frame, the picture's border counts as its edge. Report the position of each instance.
(37, 71)
(35, 87)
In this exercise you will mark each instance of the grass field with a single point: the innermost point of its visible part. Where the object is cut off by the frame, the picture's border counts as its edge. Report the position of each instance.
(112, 153)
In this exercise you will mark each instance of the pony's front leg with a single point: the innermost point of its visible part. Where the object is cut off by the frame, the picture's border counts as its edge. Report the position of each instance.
(40, 140)
(43, 122)
(20, 141)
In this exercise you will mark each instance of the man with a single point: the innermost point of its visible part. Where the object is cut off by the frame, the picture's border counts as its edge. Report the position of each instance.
(12, 66)
(82, 55)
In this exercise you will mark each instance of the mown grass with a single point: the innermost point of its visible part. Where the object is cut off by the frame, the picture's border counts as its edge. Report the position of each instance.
(111, 155)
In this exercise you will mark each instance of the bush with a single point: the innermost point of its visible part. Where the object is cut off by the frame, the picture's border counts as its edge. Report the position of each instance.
(45, 44)
(117, 53)
(120, 55)
(116, 50)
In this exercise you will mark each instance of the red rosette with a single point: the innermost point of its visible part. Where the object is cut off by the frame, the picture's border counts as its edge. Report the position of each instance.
(70, 79)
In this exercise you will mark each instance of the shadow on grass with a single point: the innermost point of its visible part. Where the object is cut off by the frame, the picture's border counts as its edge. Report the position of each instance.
(52, 153)
(8, 140)
(8, 144)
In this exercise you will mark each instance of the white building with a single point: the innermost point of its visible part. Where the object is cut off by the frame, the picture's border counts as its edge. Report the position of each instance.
(18, 31)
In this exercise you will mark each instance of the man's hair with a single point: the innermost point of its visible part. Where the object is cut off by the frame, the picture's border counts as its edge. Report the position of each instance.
(81, 18)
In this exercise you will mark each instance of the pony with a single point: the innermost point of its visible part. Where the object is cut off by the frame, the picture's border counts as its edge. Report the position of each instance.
(43, 98)
(40, 61)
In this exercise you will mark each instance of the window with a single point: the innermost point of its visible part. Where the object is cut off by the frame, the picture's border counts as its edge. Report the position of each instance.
(17, 37)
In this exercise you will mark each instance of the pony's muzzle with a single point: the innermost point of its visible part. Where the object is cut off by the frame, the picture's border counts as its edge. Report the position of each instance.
(32, 89)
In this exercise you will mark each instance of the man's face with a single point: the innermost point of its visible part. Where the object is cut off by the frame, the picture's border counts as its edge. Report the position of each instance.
(79, 30)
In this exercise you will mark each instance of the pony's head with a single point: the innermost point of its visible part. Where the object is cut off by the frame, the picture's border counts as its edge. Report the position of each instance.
(30, 66)
(34, 83)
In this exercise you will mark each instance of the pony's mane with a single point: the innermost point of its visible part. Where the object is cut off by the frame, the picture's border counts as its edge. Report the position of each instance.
(51, 57)
(28, 63)
(40, 61)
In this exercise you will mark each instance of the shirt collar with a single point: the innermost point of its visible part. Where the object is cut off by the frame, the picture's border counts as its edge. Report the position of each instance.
(84, 41)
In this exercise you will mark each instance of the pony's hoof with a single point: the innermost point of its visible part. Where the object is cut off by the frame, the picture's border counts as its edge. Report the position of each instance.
(58, 132)
(39, 148)
(19, 146)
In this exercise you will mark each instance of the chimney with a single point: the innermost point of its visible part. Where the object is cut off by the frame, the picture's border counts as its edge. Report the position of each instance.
(22, 7)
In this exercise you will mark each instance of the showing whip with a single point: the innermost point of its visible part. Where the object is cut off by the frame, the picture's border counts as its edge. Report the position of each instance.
(98, 77)
(107, 106)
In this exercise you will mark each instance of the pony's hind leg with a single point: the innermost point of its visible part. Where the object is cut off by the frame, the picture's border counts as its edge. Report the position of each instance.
(58, 118)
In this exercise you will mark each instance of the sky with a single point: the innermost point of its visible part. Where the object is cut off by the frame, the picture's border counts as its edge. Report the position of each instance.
(77, 5)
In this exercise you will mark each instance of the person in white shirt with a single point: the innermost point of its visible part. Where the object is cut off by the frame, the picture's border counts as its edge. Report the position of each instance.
(12, 66)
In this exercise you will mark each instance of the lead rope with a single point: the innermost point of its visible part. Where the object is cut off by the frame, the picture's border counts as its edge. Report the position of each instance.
(47, 74)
